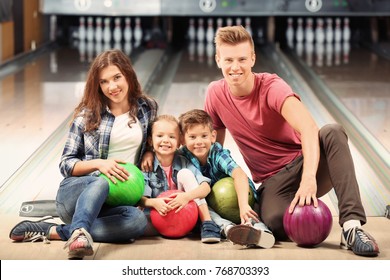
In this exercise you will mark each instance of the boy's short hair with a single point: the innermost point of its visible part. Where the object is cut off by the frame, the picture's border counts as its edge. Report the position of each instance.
(232, 35)
(194, 117)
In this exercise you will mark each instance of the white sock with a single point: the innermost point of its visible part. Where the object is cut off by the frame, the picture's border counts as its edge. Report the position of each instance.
(351, 224)
(227, 228)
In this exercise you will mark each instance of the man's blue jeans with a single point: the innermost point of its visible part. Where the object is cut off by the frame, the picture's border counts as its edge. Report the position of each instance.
(80, 204)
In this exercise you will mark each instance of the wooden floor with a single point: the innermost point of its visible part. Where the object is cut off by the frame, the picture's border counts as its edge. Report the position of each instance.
(191, 248)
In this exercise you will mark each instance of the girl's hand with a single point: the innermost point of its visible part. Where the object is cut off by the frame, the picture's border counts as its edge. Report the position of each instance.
(179, 200)
(147, 162)
(161, 206)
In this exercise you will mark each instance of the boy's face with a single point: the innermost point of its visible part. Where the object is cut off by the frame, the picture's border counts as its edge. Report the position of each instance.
(165, 137)
(236, 62)
(198, 139)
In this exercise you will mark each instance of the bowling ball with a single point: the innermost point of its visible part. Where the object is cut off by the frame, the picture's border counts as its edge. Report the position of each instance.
(175, 225)
(128, 192)
(223, 199)
(308, 226)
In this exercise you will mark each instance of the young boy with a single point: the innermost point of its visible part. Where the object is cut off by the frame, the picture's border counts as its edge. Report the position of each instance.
(173, 171)
(201, 148)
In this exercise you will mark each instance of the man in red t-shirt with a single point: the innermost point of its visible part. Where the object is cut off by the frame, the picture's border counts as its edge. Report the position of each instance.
(295, 161)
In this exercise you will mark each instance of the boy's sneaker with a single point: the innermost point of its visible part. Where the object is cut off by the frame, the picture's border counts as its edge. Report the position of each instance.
(210, 232)
(249, 236)
(26, 231)
(359, 241)
(79, 244)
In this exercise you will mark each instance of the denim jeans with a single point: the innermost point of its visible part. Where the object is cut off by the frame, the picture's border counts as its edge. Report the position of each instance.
(80, 204)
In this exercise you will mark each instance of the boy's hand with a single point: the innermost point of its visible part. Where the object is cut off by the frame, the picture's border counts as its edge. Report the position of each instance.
(247, 214)
(179, 200)
(147, 162)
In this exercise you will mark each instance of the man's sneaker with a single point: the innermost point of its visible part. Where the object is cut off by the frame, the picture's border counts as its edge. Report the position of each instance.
(79, 244)
(26, 231)
(249, 236)
(210, 232)
(359, 241)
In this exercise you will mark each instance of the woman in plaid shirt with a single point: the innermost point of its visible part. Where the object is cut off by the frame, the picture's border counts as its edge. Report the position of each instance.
(109, 127)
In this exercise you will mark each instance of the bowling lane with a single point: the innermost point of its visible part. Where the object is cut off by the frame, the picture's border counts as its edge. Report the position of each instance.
(34, 101)
(360, 80)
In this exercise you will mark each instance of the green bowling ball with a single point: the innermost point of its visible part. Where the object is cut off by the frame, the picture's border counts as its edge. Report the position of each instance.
(128, 192)
(223, 199)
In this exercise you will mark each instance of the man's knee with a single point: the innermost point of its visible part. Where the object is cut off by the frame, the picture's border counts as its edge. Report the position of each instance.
(331, 132)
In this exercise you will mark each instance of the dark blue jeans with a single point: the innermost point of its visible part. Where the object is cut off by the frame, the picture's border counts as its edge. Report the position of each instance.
(80, 203)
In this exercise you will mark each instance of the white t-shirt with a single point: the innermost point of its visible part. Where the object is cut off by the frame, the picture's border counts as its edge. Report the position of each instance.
(125, 141)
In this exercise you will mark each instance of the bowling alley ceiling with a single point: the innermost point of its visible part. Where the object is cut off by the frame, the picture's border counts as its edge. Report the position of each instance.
(217, 7)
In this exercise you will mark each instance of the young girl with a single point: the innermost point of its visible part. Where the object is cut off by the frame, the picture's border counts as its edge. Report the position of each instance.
(172, 171)
(109, 127)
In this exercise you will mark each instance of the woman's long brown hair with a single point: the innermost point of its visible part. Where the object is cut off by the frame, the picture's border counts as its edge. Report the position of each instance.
(94, 101)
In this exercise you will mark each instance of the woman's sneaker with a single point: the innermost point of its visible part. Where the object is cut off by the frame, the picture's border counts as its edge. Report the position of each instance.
(249, 236)
(210, 232)
(27, 231)
(359, 241)
(79, 244)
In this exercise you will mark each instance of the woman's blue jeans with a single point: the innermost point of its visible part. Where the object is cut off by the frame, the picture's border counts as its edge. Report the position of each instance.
(80, 204)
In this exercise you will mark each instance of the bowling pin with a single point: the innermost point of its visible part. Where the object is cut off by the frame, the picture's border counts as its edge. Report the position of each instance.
(346, 50)
(137, 32)
(90, 50)
(127, 32)
(200, 32)
(210, 31)
(299, 48)
(229, 22)
(319, 49)
(82, 30)
(329, 30)
(210, 53)
(337, 52)
(219, 23)
(107, 30)
(53, 28)
(127, 48)
(98, 47)
(329, 53)
(320, 32)
(238, 21)
(346, 30)
(191, 30)
(200, 51)
(98, 30)
(90, 29)
(191, 50)
(248, 25)
(290, 33)
(309, 33)
(337, 30)
(82, 50)
(299, 34)
(117, 30)
(53, 62)
(309, 48)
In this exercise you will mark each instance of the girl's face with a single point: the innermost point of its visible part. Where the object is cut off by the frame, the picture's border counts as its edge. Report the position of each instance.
(115, 87)
(165, 137)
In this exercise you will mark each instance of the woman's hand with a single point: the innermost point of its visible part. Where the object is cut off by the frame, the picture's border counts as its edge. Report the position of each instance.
(113, 170)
